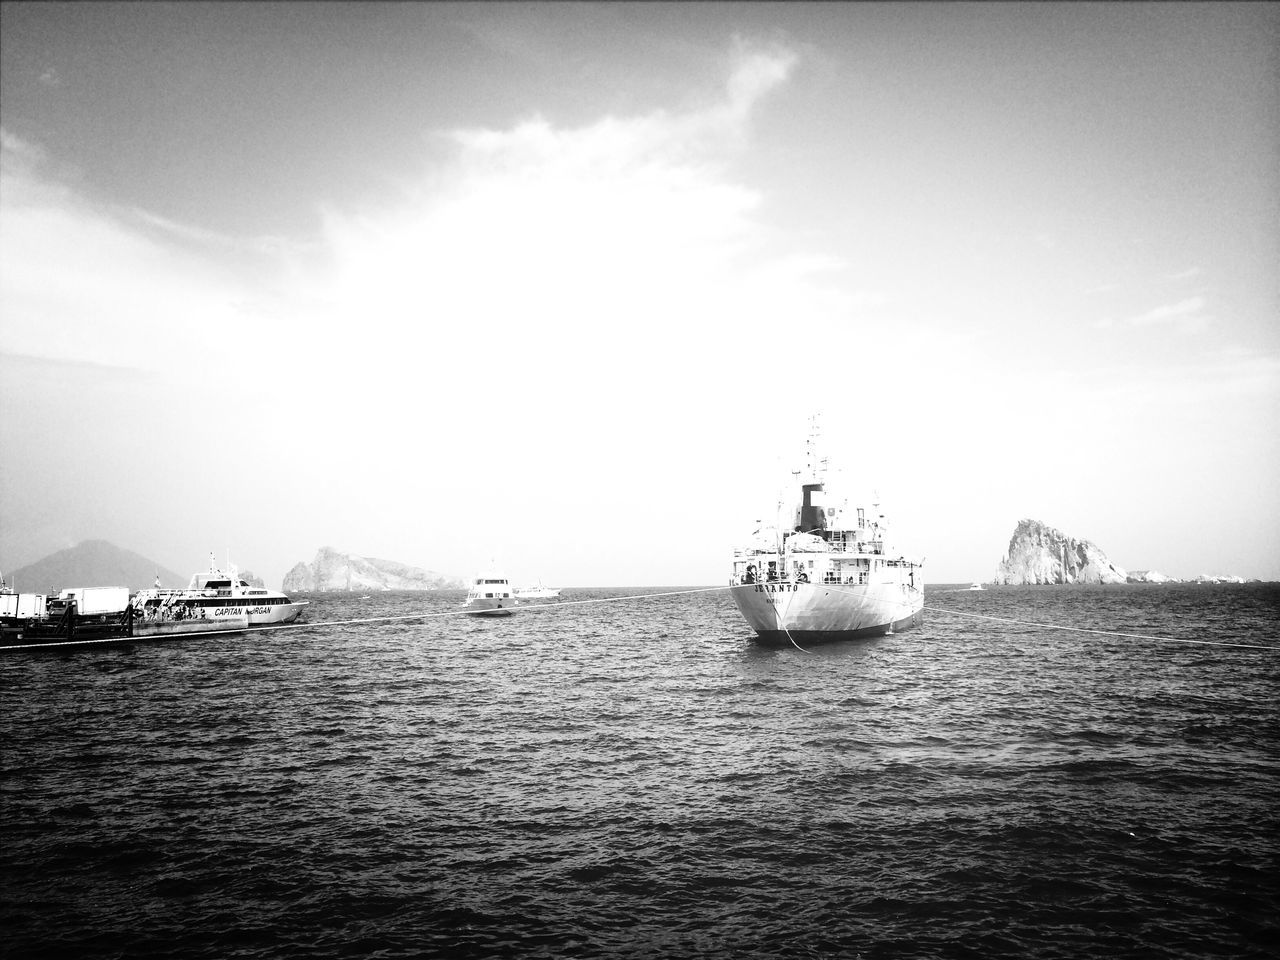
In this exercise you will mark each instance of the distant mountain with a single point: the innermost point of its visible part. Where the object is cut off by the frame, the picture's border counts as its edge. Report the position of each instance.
(333, 571)
(1038, 553)
(92, 563)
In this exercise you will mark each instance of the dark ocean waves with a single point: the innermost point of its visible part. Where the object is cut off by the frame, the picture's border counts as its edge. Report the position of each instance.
(640, 779)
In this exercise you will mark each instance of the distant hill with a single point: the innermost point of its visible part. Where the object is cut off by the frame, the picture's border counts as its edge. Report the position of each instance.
(92, 563)
(334, 571)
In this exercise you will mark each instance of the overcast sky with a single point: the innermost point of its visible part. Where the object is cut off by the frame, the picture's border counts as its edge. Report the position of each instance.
(560, 285)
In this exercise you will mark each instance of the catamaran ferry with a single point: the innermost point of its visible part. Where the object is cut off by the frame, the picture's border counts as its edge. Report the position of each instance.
(217, 595)
(490, 596)
(831, 575)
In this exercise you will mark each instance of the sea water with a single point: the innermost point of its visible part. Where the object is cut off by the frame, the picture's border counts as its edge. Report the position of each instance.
(639, 778)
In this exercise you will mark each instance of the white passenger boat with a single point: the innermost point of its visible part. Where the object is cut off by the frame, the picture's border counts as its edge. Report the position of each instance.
(829, 574)
(536, 593)
(215, 596)
(490, 596)
(977, 586)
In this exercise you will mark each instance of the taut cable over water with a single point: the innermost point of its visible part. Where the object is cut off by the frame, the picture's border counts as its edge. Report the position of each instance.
(532, 608)
(1103, 633)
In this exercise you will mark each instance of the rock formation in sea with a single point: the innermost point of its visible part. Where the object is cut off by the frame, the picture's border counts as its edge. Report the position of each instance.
(1038, 553)
(251, 578)
(334, 571)
(1148, 576)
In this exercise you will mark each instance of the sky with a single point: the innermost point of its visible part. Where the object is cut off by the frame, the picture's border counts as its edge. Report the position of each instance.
(557, 287)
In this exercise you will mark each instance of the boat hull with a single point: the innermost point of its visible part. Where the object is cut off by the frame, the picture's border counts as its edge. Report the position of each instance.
(486, 607)
(183, 606)
(825, 613)
(178, 627)
(267, 614)
(36, 634)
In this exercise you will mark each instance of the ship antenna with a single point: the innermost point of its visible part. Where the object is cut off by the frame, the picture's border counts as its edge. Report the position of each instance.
(816, 465)
(809, 446)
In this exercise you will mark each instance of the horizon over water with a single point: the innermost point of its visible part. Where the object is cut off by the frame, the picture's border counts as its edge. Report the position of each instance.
(640, 778)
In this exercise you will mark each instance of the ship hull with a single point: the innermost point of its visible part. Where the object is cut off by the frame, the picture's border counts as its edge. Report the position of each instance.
(487, 607)
(261, 615)
(826, 613)
(33, 635)
(194, 605)
(177, 627)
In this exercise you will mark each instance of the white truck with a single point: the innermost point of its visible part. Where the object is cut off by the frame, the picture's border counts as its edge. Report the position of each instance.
(91, 601)
(22, 606)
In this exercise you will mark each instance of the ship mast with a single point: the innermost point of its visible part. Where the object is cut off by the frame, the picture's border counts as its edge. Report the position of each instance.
(813, 464)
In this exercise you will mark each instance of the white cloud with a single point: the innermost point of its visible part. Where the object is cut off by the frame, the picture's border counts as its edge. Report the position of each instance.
(1187, 314)
(611, 283)
(18, 154)
(620, 230)
(577, 260)
(755, 73)
(83, 281)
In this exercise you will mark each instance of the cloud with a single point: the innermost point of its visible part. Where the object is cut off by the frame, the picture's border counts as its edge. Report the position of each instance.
(756, 71)
(625, 243)
(83, 282)
(1186, 314)
(628, 223)
(18, 155)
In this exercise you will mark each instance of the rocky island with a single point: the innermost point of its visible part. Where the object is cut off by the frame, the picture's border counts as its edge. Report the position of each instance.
(1039, 553)
(332, 571)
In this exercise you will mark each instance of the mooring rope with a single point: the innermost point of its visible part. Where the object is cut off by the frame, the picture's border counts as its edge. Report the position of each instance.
(462, 611)
(85, 643)
(790, 594)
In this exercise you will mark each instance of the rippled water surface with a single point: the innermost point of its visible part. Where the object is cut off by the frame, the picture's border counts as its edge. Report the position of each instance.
(641, 779)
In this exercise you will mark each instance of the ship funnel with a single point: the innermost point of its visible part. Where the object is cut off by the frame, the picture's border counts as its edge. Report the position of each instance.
(812, 516)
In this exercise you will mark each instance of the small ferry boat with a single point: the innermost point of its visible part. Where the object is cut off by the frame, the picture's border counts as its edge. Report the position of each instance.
(490, 596)
(215, 595)
(977, 586)
(829, 573)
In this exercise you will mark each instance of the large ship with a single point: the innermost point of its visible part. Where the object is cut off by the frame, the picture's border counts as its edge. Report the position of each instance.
(827, 571)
